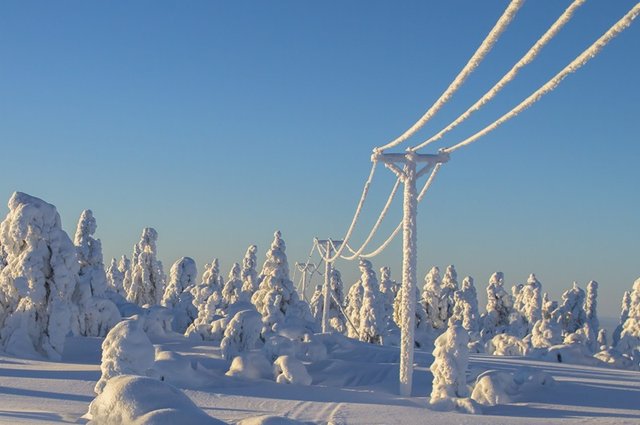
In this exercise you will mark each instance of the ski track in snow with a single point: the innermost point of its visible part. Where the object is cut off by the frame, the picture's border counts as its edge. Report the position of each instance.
(42, 392)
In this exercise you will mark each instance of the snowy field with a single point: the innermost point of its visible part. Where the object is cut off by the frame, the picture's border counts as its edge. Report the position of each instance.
(354, 386)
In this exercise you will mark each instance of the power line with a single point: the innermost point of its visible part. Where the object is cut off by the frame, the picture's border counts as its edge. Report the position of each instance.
(513, 72)
(472, 64)
(550, 85)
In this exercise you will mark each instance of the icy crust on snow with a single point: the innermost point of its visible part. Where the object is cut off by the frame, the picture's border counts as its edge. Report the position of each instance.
(498, 387)
(138, 400)
(38, 275)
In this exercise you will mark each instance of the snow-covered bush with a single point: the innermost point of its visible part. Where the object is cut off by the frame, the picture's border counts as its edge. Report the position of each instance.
(38, 274)
(147, 276)
(546, 333)
(276, 298)
(126, 350)
(372, 325)
(177, 295)
(506, 345)
(451, 358)
(242, 334)
(138, 400)
(289, 370)
(499, 308)
(251, 365)
(180, 370)
(614, 358)
(497, 387)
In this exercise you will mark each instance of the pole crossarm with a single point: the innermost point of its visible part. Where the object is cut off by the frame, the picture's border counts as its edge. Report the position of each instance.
(393, 161)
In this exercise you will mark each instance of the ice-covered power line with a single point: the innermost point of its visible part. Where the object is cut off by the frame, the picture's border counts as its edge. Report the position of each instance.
(550, 85)
(356, 216)
(374, 229)
(421, 196)
(471, 65)
(513, 72)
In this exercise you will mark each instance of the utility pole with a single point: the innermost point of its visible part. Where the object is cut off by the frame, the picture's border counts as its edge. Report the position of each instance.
(304, 268)
(404, 165)
(326, 289)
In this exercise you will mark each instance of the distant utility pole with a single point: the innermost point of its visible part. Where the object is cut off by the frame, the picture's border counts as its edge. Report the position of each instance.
(304, 268)
(326, 289)
(404, 165)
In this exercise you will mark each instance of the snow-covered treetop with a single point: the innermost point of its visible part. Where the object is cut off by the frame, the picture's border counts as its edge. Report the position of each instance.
(276, 261)
(385, 274)
(467, 283)
(533, 281)
(497, 278)
(183, 273)
(432, 280)
(89, 252)
(149, 239)
(450, 279)
(211, 275)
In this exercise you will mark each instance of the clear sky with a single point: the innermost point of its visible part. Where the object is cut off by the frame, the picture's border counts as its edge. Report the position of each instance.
(219, 122)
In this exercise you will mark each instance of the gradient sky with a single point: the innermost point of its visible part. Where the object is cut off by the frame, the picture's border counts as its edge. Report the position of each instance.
(219, 122)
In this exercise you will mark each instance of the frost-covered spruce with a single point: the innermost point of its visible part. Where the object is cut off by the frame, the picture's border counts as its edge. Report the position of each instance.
(126, 350)
(548, 306)
(423, 327)
(372, 323)
(124, 266)
(499, 308)
(211, 282)
(450, 361)
(232, 290)
(177, 295)
(353, 304)
(531, 299)
(147, 276)
(115, 278)
(465, 309)
(591, 305)
(336, 320)
(96, 315)
(249, 274)
(573, 315)
(242, 334)
(435, 304)
(449, 286)
(276, 298)
(38, 276)
(389, 289)
(624, 315)
(629, 342)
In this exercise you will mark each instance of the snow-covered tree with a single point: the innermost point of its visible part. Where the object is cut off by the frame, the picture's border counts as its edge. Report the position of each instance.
(249, 274)
(629, 342)
(433, 301)
(317, 303)
(389, 290)
(147, 276)
(546, 333)
(276, 298)
(242, 334)
(95, 315)
(499, 308)
(336, 320)
(531, 299)
(126, 350)
(39, 272)
(624, 315)
(232, 290)
(353, 304)
(450, 361)
(449, 286)
(372, 325)
(548, 306)
(211, 282)
(177, 295)
(124, 266)
(573, 316)
(591, 305)
(115, 278)
(465, 309)
(602, 338)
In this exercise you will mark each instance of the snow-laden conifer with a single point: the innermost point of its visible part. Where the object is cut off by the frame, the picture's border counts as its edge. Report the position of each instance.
(433, 301)
(591, 305)
(249, 274)
(147, 276)
(38, 276)
(465, 309)
(115, 278)
(499, 308)
(241, 334)
(177, 295)
(624, 315)
(232, 290)
(573, 316)
(629, 342)
(371, 324)
(450, 361)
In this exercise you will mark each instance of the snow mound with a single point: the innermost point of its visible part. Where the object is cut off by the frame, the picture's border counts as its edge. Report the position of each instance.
(289, 370)
(179, 370)
(137, 400)
(270, 420)
(251, 366)
(497, 387)
(571, 353)
(462, 405)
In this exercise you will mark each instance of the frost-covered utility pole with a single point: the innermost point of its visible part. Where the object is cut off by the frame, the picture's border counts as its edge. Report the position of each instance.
(405, 166)
(304, 268)
(328, 244)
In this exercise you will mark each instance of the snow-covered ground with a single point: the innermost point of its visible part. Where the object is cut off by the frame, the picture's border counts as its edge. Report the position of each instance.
(356, 385)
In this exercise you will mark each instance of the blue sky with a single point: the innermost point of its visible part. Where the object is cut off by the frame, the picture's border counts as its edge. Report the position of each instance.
(220, 122)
